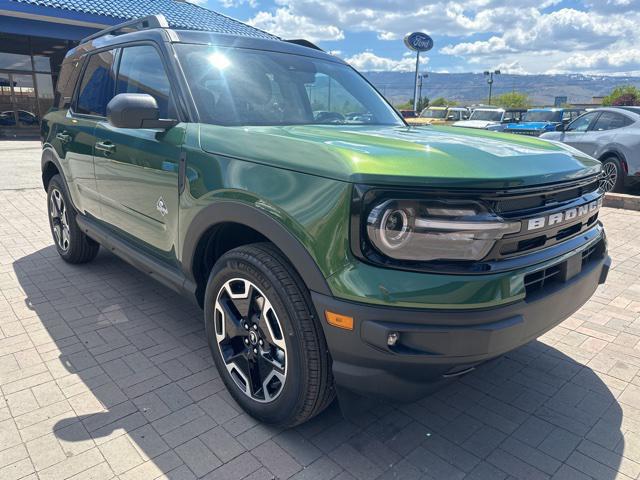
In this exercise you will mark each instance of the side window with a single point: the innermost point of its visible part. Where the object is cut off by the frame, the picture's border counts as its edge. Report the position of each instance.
(67, 82)
(582, 123)
(141, 71)
(96, 88)
(611, 121)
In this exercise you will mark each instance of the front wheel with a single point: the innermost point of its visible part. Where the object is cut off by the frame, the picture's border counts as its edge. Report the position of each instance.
(264, 338)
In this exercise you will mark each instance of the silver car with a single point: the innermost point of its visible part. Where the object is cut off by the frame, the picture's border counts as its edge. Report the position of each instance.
(612, 135)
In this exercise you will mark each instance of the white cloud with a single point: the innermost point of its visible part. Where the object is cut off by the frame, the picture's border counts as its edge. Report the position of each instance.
(368, 61)
(233, 3)
(511, 68)
(285, 24)
(526, 36)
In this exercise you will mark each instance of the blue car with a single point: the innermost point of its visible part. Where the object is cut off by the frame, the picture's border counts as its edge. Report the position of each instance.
(541, 120)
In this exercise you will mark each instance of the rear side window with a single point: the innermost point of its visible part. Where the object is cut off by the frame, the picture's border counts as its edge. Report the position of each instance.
(66, 83)
(96, 88)
(611, 121)
(141, 71)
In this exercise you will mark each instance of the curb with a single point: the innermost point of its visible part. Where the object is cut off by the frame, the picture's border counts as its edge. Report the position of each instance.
(621, 200)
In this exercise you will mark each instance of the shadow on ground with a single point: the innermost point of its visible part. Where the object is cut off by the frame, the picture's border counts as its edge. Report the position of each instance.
(132, 360)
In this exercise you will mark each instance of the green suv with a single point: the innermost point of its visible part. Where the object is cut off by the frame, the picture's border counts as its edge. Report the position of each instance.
(333, 248)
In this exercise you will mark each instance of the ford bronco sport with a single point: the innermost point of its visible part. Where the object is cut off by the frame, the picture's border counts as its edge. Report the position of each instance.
(333, 248)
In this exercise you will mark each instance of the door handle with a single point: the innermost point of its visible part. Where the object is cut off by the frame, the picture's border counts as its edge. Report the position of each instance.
(63, 137)
(106, 147)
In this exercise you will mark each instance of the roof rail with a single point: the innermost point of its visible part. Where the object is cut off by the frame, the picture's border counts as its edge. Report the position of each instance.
(152, 21)
(304, 43)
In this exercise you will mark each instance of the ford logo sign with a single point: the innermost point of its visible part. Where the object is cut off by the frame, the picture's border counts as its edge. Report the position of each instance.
(419, 42)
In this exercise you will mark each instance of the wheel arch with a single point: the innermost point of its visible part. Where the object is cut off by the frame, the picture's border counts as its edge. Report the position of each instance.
(202, 244)
(50, 166)
(614, 152)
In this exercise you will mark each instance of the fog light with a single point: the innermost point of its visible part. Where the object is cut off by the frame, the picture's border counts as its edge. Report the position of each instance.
(393, 338)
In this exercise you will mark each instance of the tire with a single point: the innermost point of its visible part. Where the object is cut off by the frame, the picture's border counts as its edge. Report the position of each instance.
(285, 337)
(70, 242)
(613, 180)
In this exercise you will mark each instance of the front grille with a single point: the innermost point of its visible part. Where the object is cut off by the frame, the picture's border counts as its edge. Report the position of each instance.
(542, 280)
(531, 133)
(540, 205)
(521, 204)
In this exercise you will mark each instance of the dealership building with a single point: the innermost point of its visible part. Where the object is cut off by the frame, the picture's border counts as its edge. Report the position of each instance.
(35, 35)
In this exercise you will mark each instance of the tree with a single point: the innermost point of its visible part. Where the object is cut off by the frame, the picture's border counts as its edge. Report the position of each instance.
(624, 95)
(442, 102)
(423, 102)
(512, 100)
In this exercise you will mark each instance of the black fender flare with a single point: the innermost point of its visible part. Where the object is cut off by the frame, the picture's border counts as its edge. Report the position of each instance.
(49, 156)
(229, 211)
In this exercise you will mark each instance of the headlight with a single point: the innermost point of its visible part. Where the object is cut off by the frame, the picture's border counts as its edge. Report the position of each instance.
(421, 230)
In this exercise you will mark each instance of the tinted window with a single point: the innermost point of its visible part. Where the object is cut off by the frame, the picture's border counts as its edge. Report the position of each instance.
(66, 83)
(611, 121)
(582, 123)
(141, 71)
(96, 88)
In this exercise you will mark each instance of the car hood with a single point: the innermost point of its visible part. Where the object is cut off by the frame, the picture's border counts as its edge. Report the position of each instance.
(395, 155)
(530, 126)
(475, 123)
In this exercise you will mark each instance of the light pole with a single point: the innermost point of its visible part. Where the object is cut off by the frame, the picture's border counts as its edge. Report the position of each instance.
(421, 79)
(489, 76)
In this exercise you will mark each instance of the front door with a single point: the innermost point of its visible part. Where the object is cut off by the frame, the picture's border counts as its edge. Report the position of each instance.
(137, 169)
(575, 133)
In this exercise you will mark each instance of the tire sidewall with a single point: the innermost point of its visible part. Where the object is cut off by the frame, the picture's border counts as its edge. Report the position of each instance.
(57, 184)
(619, 185)
(233, 266)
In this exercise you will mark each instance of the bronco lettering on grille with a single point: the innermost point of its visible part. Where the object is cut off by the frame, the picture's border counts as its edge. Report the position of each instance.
(564, 216)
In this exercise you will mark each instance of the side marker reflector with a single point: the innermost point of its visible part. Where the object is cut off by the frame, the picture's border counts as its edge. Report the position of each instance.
(337, 320)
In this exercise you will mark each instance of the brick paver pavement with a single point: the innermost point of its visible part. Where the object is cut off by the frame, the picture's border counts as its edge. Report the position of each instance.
(105, 373)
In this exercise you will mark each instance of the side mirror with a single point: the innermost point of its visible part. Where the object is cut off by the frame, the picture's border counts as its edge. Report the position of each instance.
(561, 128)
(136, 110)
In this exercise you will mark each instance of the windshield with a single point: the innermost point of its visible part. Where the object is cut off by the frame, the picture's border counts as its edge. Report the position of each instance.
(430, 113)
(543, 116)
(234, 86)
(487, 115)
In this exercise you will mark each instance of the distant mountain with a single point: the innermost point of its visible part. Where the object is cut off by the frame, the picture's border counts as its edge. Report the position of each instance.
(472, 87)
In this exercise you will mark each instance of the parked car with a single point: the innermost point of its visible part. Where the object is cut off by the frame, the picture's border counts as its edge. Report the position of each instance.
(430, 115)
(457, 114)
(328, 257)
(25, 118)
(494, 119)
(611, 135)
(408, 113)
(540, 120)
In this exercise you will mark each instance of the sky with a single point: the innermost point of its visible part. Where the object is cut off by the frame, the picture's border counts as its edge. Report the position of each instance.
(515, 36)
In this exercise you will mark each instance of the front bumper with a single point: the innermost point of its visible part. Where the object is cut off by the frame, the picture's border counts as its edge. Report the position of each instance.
(440, 343)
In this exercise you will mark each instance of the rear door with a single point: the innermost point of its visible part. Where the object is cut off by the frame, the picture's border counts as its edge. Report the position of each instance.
(137, 169)
(76, 133)
(604, 131)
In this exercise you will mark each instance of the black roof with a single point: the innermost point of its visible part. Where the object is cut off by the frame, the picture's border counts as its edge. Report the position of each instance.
(113, 39)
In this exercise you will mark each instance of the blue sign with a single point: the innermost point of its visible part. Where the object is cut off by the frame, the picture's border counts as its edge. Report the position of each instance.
(419, 42)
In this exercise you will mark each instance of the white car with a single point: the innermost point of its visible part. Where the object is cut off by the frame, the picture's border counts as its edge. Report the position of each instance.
(494, 119)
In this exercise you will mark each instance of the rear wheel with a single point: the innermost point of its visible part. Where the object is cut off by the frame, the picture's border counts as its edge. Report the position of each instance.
(71, 243)
(612, 175)
(264, 337)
